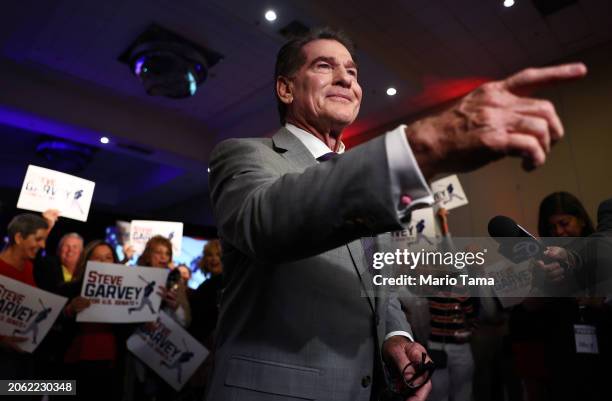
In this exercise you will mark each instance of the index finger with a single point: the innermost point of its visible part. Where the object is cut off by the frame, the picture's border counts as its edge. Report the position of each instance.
(422, 393)
(549, 267)
(532, 78)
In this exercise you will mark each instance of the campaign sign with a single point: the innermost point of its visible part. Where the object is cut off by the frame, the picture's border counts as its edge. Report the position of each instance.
(142, 230)
(513, 282)
(448, 192)
(27, 311)
(420, 232)
(168, 349)
(45, 189)
(121, 294)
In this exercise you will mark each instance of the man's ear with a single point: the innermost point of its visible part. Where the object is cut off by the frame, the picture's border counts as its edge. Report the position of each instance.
(284, 89)
(18, 238)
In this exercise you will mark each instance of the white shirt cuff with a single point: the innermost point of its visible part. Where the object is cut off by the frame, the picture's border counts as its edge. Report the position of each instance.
(406, 176)
(399, 333)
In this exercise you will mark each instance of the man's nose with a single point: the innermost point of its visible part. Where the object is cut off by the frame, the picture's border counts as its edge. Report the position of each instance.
(342, 77)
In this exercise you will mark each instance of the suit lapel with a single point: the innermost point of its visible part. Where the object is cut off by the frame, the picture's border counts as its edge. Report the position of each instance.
(294, 151)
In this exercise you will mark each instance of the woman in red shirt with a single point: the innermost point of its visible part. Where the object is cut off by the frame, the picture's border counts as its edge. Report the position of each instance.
(27, 234)
(93, 356)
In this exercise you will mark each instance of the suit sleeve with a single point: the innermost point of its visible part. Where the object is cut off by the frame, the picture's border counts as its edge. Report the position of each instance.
(278, 218)
(396, 320)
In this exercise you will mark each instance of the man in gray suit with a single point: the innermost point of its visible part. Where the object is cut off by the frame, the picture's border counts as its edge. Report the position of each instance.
(300, 317)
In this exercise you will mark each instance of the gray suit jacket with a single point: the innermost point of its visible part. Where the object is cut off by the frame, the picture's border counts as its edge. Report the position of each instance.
(298, 319)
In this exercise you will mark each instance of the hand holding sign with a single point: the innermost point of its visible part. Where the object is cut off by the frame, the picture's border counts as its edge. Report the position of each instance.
(51, 216)
(77, 305)
(12, 343)
(128, 251)
(169, 297)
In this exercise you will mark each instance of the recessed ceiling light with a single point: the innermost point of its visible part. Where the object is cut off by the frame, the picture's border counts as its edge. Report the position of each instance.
(391, 91)
(104, 140)
(270, 15)
(208, 169)
(508, 3)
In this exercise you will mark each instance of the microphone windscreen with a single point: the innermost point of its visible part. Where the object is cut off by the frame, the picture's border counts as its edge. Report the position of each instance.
(503, 226)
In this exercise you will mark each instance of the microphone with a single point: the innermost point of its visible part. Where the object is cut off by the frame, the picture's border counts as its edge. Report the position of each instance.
(515, 243)
(174, 277)
(504, 226)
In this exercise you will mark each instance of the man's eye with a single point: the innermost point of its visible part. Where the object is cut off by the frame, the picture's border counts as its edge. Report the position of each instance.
(324, 65)
(352, 73)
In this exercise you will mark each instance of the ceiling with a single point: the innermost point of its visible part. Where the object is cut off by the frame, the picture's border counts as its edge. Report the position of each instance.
(61, 78)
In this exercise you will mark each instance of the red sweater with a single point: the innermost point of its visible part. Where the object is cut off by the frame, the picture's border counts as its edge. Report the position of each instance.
(26, 275)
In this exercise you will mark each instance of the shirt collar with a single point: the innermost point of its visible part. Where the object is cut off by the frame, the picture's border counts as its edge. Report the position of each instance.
(314, 145)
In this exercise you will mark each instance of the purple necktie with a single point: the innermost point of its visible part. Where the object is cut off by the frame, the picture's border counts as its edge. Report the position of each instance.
(327, 156)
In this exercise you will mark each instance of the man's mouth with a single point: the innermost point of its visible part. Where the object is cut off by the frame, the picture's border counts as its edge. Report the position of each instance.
(340, 98)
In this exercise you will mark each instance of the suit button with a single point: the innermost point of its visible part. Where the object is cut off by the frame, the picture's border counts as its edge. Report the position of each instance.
(365, 381)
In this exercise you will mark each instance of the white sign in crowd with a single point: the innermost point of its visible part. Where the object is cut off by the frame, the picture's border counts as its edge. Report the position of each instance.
(168, 349)
(420, 232)
(121, 294)
(142, 230)
(45, 189)
(448, 193)
(26, 311)
(513, 282)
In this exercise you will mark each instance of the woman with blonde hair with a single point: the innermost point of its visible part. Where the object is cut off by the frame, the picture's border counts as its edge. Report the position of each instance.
(210, 262)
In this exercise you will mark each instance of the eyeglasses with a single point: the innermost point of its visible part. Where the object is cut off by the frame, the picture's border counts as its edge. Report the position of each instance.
(400, 388)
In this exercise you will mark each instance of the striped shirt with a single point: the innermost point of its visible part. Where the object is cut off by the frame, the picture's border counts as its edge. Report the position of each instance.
(450, 319)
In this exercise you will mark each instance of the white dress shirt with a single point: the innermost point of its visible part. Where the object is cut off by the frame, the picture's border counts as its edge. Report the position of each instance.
(406, 176)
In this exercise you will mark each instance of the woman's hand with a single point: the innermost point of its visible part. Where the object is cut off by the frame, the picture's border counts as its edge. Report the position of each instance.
(169, 297)
(12, 343)
(51, 216)
(76, 305)
(128, 251)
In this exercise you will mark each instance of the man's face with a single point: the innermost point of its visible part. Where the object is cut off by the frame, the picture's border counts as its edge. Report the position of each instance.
(324, 91)
(70, 251)
(31, 244)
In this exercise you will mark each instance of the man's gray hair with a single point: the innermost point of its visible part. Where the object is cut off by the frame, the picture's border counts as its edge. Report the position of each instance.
(65, 237)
